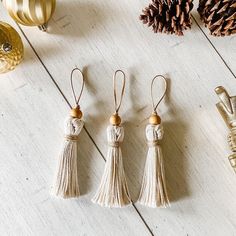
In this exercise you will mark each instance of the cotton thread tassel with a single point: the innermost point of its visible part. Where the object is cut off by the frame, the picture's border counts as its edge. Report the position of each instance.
(153, 191)
(66, 184)
(113, 190)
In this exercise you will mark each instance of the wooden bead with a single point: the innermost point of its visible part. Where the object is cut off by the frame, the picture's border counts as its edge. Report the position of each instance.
(76, 113)
(155, 119)
(115, 119)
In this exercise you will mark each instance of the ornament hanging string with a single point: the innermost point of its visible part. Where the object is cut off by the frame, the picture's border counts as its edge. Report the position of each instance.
(163, 95)
(118, 105)
(77, 100)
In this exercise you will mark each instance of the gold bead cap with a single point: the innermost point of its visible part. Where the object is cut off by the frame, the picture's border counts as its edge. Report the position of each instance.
(154, 119)
(76, 113)
(115, 119)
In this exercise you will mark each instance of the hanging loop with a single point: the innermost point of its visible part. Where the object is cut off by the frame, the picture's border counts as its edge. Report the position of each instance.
(163, 95)
(117, 105)
(72, 85)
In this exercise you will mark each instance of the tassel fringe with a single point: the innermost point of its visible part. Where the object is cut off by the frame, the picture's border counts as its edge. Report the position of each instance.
(66, 184)
(153, 191)
(113, 190)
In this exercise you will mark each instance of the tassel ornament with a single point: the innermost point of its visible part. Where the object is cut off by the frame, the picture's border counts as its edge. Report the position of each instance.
(67, 181)
(153, 192)
(113, 190)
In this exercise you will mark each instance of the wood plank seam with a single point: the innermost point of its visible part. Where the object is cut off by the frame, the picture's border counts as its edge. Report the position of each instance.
(218, 53)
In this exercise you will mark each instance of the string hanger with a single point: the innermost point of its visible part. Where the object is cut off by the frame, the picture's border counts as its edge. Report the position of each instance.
(116, 104)
(77, 100)
(163, 95)
(115, 118)
(76, 112)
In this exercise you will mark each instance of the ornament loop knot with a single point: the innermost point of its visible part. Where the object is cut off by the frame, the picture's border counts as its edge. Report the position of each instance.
(73, 138)
(114, 144)
(153, 143)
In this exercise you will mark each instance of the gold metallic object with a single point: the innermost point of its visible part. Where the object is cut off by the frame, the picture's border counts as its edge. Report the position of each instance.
(227, 109)
(11, 48)
(31, 12)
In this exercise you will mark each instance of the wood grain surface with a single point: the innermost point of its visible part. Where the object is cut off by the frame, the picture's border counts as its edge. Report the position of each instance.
(101, 37)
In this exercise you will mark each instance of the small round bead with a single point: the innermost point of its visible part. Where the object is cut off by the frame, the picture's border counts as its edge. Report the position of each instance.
(155, 119)
(76, 113)
(115, 119)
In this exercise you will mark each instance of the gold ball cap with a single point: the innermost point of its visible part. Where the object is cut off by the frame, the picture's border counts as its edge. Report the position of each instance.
(76, 113)
(115, 119)
(154, 119)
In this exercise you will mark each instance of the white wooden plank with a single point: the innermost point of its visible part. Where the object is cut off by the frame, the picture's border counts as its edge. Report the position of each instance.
(32, 112)
(225, 46)
(106, 35)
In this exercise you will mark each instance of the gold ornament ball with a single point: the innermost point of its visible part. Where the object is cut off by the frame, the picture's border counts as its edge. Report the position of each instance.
(76, 113)
(11, 48)
(115, 119)
(155, 119)
(31, 13)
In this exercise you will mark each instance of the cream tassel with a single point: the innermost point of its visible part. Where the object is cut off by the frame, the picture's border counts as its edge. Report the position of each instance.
(153, 191)
(66, 184)
(113, 190)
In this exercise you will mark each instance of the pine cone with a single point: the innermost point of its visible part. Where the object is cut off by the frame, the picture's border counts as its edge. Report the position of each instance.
(168, 16)
(219, 16)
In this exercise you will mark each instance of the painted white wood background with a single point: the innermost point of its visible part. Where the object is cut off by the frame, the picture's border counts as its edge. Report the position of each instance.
(100, 37)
